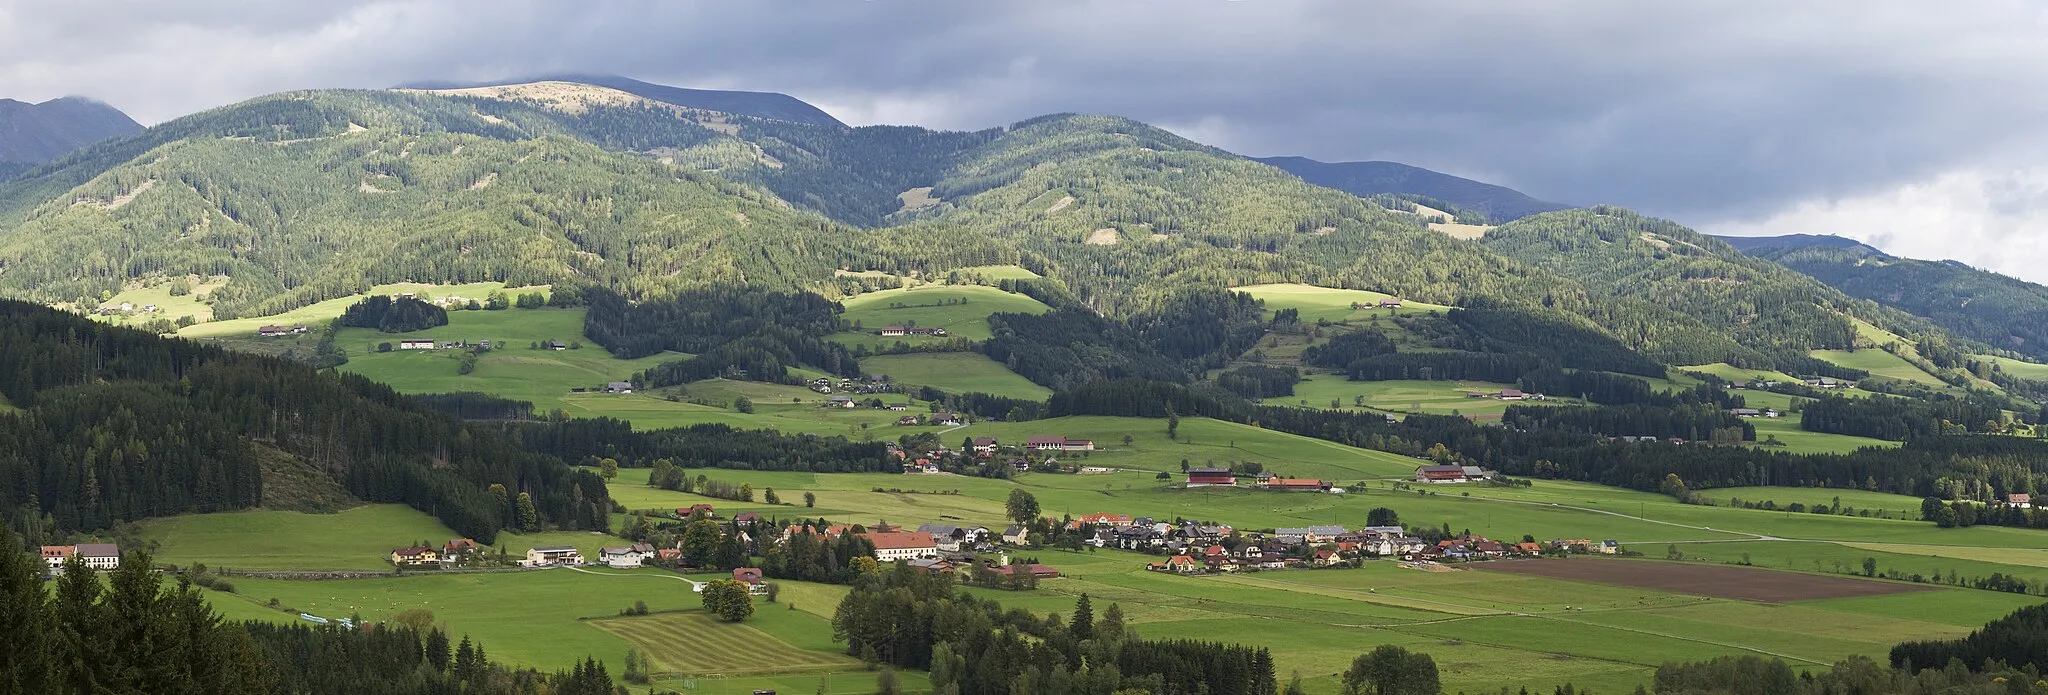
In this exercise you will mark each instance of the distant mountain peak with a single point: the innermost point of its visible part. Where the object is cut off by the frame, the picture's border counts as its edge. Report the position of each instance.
(1498, 203)
(36, 133)
(770, 105)
(1765, 245)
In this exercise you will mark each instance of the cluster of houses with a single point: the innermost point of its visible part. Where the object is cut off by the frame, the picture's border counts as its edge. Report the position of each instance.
(1336, 546)
(432, 344)
(126, 308)
(1753, 412)
(1388, 303)
(99, 556)
(986, 448)
(275, 331)
(898, 331)
(946, 419)
(872, 384)
(1508, 395)
(455, 553)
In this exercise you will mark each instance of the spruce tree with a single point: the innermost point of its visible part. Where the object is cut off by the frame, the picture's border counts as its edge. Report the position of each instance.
(1083, 624)
(24, 618)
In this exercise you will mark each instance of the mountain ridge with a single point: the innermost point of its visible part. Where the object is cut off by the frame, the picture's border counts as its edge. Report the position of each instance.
(34, 134)
(770, 105)
(1498, 203)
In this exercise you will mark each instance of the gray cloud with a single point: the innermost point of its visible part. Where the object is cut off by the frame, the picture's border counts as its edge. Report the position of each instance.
(1724, 115)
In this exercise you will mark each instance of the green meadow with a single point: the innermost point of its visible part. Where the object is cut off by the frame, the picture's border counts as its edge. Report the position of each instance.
(1428, 397)
(1878, 363)
(962, 310)
(955, 372)
(320, 313)
(2023, 370)
(1332, 304)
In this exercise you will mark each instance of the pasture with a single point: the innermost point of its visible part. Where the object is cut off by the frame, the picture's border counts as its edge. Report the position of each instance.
(321, 312)
(1734, 374)
(1332, 304)
(2023, 370)
(1878, 363)
(697, 643)
(955, 372)
(1427, 397)
(1798, 441)
(962, 310)
(357, 539)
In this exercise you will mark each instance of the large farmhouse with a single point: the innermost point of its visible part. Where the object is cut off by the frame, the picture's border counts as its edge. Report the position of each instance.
(904, 545)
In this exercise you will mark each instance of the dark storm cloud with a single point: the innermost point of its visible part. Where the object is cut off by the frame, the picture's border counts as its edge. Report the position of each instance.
(1713, 113)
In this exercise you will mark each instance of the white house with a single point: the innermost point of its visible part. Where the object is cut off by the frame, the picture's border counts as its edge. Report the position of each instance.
(903, 545)
(626, 557)
(416, 344)
(553, 555)
(100, 556)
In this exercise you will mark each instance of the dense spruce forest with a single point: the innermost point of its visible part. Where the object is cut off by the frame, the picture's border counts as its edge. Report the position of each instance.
(133, 632)
(116, 425)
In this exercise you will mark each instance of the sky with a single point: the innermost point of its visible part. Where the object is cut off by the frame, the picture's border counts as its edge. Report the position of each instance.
(1920, 127)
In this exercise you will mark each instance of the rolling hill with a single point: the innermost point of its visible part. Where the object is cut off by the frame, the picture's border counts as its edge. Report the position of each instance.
(302, 197)
(1999, 311)
(1773, 313)
(1497, 203)
(32, 134)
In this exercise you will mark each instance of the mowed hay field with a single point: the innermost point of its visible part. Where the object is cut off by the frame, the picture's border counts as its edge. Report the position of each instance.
(696, 643)
(1489, 629)
(1878, 363)
(955, 372)
(315, 314)
(357, 539)
(1332, 304)
(520, 372)
(1429, 397)
(962, 310)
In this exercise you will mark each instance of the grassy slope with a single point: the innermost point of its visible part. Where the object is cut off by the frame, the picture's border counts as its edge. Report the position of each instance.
(2024, 370)
(357, 539)
(1331, 303)
(930, 306)
(955, 372)
(543, 377)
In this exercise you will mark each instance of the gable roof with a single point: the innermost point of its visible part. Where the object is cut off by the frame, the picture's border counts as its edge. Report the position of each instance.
(98, 550)
(901, 540)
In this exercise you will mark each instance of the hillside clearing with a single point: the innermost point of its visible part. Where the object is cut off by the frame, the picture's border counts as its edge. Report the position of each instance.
(955, 372)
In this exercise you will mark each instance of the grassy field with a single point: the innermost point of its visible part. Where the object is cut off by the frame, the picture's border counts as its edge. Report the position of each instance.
(697, 643)
(1735, 374)
(2023, 370)
(1893, 506)
(357, 539)
(1798, 441)
(549, 619)
(960, 309)
(168, 306)
(1332, 304)
(323, 311)
(1878, 363)
(1431, 397)
(955, 372)
(543, 377)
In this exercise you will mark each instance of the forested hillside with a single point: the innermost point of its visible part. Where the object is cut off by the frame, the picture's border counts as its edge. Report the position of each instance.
(308, 196)
(305, 197)
(1708, 292)
(1496, 203)
(1999, 311)
(116, 425)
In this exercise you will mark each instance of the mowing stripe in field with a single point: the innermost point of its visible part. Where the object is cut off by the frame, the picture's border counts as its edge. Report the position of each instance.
(699, 643)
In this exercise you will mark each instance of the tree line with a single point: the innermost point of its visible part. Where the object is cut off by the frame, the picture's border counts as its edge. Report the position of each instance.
(136, 633)
(117, 425)
(908, 618)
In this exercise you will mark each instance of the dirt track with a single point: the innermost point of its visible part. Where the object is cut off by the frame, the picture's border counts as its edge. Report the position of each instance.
(1718, 581)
